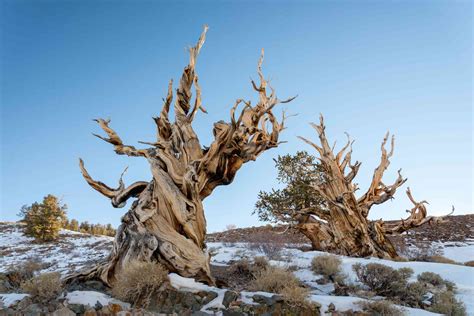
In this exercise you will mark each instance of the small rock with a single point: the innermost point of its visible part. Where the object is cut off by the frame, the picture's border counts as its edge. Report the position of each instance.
(209, 297)
(265, 300)
(229, 312)
(33, 309)
(77, 308)
(331, 308)
(115, 308)
(229, 297)
(90, 312)
(64, 312)
(98, 306)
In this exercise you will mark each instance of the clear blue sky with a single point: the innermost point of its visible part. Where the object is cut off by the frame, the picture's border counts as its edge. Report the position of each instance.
(369, 67)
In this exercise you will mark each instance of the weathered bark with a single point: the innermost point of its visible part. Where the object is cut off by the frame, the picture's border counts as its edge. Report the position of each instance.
(166, 223)
(343, 226)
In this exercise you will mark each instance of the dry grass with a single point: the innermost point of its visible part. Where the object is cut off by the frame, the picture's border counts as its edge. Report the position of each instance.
(469, 263)
(273, 280)
(139, 281)
(44, 287)
(260, 262)
(278, 280)
(328, 266)
(242, 268)
(296, 296)
(441, 259)
(16, 275)
(385, 308)
(445, 303)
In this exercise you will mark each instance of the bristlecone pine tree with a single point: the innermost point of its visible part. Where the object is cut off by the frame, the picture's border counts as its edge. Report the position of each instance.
(166, 223)
(333, 218)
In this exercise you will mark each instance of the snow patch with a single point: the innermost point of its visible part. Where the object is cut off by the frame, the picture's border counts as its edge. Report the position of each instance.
(91, 298)
(10, 299)
(190, 285)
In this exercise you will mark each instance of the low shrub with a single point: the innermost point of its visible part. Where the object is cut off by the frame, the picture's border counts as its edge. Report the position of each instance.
(431, 278)
(380, 308)
(281, 281)
(271, 249)
(383, 280)
(414, 294)
(435, 280)
(273, 280)
(440, 259)
(328, 266)
(138, 281)
(445, 303)
(44, 287)
(296, 296)
(16, 275)
(260, 262)
(469, 263)
(242, 268)
(421, 252)
(269, 244)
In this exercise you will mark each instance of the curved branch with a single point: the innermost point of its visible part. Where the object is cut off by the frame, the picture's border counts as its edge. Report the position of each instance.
(115, 140)
(417, 217)
(183, 93)
(162, 121)
(378, 192)
(118, 196)
(241, 140)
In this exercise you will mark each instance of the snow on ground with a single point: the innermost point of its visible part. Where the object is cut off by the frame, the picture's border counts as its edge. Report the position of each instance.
(462, 276)
(458, 251)
(190, 285)
(344, 303)
(7, 300)
(72, 251)
(75, 250)
(91, 298)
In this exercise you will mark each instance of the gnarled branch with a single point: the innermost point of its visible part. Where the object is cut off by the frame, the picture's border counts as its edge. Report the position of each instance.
(115, 140)
(418, 217)
(378, 192)
(118, 196)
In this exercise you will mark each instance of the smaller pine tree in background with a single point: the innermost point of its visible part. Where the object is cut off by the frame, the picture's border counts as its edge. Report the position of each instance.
(73, 225)
(93, 229)
(44, 220)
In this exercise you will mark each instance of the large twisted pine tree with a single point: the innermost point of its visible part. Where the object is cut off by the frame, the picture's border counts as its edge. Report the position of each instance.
(166, 222)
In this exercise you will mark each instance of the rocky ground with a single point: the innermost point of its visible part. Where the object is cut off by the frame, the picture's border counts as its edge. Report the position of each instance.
(453, 239)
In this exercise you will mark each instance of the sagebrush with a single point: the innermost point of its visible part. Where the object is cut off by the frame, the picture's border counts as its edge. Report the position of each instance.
(44, 287)
(329, 266)
(138, 281)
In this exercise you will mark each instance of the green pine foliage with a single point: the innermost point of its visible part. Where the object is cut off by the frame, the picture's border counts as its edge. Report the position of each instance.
(297, 173)
(44, 220)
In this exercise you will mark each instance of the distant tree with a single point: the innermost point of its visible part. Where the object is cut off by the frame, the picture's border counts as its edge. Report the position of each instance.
(65, 224)
(320, 200)
(44, 220)
(109, 230)
(74, 225)
(85, 227)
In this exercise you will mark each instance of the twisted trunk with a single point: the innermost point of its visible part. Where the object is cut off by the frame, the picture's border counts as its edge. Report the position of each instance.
(166, 223)
(343, 226)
